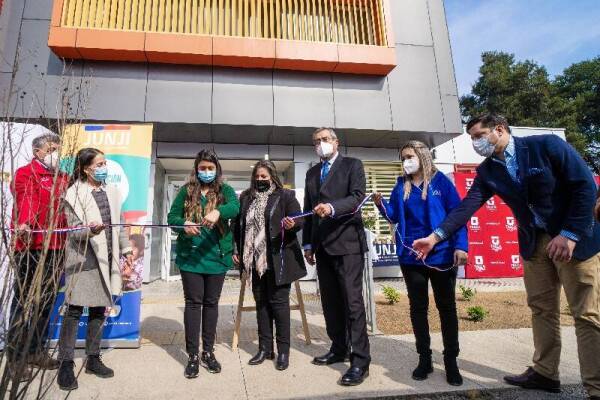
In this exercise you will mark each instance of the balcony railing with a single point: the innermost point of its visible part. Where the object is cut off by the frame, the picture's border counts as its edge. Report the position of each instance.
(362, 23)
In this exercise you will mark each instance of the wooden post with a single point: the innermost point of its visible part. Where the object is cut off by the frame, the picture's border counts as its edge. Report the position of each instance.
(238, 316)
(302, 312)
(241, 308)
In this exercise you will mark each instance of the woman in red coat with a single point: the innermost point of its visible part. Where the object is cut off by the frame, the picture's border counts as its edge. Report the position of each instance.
(37, 190)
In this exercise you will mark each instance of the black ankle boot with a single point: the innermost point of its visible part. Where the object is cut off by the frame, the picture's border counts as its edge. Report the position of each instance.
(193, 366)
(424, 368)
(453, 376)
(66, 376)
(94, 365)
(283, 361)
(209, 362)
(261, 356)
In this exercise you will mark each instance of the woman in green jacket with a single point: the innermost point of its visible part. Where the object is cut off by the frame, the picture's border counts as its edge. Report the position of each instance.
(204, 251)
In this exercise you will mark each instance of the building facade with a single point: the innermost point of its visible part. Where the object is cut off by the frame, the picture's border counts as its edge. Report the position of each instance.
(249, 78)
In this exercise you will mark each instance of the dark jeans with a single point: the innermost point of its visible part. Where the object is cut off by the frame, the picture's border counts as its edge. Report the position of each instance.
(340, 283)
(202, 293)
(444, 285)
(272, 305)
(33, 298)
(70, 325)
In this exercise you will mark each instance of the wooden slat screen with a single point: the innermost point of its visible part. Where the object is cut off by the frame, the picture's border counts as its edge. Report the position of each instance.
(381, 177)
(338, 21)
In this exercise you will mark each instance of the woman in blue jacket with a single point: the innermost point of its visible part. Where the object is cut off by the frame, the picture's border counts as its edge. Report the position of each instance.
(421, 200)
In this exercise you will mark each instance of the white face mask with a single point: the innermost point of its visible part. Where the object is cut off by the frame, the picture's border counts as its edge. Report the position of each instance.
(411, 165)
(484, 147)
(51, 160)
(325, 149)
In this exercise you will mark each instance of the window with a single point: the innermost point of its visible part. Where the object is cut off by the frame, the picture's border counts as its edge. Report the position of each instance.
(381, 177)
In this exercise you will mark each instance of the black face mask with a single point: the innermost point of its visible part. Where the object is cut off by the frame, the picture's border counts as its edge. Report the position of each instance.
(263, 186)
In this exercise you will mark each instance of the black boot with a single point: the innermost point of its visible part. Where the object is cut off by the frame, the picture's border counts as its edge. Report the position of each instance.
(424, 368)
(453, 376)
(193, 366)
(261, 356)
(66, 376)
(94, 365)
(283, 361)
(209, 362)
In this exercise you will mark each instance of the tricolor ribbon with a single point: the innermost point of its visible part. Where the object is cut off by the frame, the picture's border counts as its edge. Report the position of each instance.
(292, 216)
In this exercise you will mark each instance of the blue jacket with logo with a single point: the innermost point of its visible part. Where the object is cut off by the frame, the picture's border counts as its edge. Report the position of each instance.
(442, 197)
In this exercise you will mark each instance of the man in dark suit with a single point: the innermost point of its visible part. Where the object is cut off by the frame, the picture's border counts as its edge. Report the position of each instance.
(552, 193)
(334, 237)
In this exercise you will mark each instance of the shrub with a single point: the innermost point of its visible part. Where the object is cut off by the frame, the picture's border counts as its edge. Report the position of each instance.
(391, 294)
(370, 220)
(477, 313)
(467, 293)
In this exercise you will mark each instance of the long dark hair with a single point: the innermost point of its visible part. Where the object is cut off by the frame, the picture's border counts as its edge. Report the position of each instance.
(83, 159)
(269, 166)
(193, 207)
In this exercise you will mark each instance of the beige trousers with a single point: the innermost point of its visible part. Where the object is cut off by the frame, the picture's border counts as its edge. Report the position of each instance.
(581, 281)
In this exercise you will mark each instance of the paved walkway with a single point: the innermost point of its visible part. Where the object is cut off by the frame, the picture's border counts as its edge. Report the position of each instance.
(155, 371)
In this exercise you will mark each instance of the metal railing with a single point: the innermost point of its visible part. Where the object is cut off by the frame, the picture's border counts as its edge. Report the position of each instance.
(335, 21)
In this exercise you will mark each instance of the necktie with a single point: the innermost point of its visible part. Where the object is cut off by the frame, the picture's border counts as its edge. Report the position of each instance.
(324, 171)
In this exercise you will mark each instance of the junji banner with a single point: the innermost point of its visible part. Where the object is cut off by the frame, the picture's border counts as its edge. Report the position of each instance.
(128, 150)
(493, 239)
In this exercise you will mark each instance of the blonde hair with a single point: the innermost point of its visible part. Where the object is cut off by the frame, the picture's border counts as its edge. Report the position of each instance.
(425, 164)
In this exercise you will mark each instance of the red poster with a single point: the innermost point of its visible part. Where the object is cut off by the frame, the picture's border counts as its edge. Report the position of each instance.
(493, 241)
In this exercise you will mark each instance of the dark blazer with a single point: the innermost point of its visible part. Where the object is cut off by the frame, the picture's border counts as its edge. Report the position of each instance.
(344, 188)
(281, 203)
(556, 184)
(598, 206)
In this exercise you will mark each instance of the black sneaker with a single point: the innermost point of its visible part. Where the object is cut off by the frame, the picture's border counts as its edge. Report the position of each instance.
(66, 376)
(94, 365)
(209, 362)
(193, 367)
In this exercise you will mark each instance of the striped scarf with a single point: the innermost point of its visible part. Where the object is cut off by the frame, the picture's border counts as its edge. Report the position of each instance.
(255, 242)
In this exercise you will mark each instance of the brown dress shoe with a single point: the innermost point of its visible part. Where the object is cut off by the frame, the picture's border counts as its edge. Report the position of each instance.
(532, 380)
(43, 361)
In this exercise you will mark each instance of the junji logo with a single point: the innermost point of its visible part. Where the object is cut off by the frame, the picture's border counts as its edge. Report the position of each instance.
(510, 224)
(515, 261)
(496, 246)
(469, 183)
(479, 265)
(475, 224)
(491, 204)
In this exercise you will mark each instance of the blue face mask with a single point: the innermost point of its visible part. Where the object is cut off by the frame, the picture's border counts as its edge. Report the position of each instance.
(206, 176)
(100, 174)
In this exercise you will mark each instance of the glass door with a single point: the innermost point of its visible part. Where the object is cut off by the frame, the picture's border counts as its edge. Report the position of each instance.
(170, 271)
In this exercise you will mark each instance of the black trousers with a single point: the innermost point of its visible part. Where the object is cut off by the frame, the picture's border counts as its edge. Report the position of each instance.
(443, 284)
(341, 286)
(272, 305)
(70, 326)
(32, 302)
(202, 293)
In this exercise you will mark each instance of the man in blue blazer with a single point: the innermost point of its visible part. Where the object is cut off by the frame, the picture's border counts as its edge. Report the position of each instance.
(552, 193)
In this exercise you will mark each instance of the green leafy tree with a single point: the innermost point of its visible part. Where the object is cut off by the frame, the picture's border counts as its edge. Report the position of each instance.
(577, 92)
(521, 91)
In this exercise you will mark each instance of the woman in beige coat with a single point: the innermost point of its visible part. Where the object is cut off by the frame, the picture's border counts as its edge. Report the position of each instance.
(91, 262)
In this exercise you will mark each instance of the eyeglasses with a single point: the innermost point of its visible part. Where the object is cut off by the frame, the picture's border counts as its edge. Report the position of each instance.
(325, 139)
